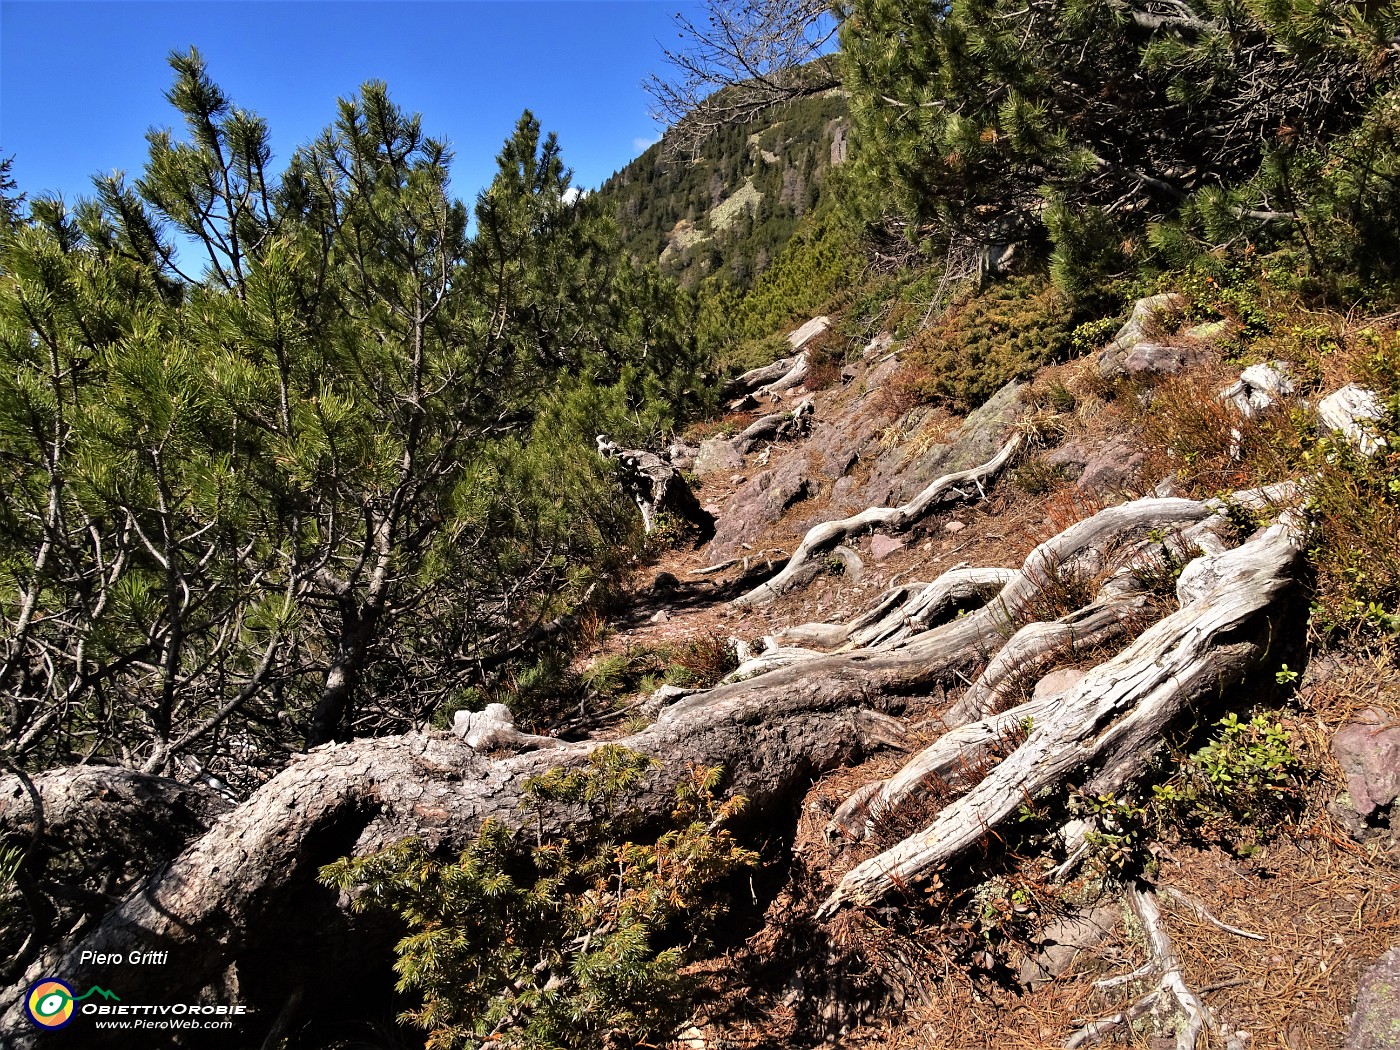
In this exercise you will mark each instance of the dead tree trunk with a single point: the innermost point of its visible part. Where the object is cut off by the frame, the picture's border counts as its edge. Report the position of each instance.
(657, 488)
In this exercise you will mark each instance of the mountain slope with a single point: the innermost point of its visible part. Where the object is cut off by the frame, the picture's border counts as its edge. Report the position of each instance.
(729, 210)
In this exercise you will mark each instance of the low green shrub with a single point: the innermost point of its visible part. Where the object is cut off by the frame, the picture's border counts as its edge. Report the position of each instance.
(1006, 333)
(577, 943)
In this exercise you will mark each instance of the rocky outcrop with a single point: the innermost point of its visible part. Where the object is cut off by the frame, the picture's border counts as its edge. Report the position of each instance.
(1375, 1023)
(1146, 322)
(758, 504)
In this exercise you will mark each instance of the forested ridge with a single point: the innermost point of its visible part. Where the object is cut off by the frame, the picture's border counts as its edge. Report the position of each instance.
(786, 596)
(724, 213)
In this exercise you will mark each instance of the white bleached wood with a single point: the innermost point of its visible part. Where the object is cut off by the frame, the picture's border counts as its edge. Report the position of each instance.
(892, 519)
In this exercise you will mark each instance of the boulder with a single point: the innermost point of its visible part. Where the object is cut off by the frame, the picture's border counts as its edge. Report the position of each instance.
(681, 455)
(1060, 680)
(1148, 317)
(897, 474)
(1063, 940)
(1368, 750)
(1375, 1022)
(758, 504)
(879, 345)
(1161, 358)
(717, 455)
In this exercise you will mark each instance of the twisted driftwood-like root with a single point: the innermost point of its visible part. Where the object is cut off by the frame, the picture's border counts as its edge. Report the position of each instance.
(241, 898)
(1114, 718)
(656, 487)
(905, 610)
(892, 519)
(778, 426)
(1171, 994)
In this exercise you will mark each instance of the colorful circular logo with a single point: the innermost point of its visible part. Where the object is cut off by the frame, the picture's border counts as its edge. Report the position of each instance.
(49, 1003)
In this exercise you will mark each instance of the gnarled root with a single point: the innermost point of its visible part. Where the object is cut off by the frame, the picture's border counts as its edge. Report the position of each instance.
(1171, 986)
(1113, 719)
(894, 519)
(904, 610)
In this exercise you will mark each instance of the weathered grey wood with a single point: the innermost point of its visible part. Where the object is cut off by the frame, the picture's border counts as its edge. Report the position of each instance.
(1037, 647)
(892, 519)
(1163, 964)
(244, 895)
(758, 377)
(493, 729)
(1353, 412)
(956, 588)
(778, 426)
(656, 487)
(1114, 717)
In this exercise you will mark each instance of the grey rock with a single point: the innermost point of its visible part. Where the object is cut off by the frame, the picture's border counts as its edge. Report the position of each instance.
(1148, 315)
(1071, 456)
(843, 488)
(758, 504)
(879, 345)
(681, 455)
(897, 475)
(1375, 1022)
(954, 526)
(1368, 750)
(1161, 358)
(717, 455)
(1063, 940)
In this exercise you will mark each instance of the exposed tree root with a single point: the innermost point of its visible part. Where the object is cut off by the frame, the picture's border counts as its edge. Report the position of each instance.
(1038, 647)
(755, 378)
(656, 487)
(892, 519)
(1113, 719)
(778, 426)
(244, 892)
(1171, 996)
(904, 611)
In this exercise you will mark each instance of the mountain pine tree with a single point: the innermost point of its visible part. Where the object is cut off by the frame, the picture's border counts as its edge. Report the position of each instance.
(301, 454)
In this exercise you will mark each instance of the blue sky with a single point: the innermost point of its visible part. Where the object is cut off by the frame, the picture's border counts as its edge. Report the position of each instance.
(81, 80)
